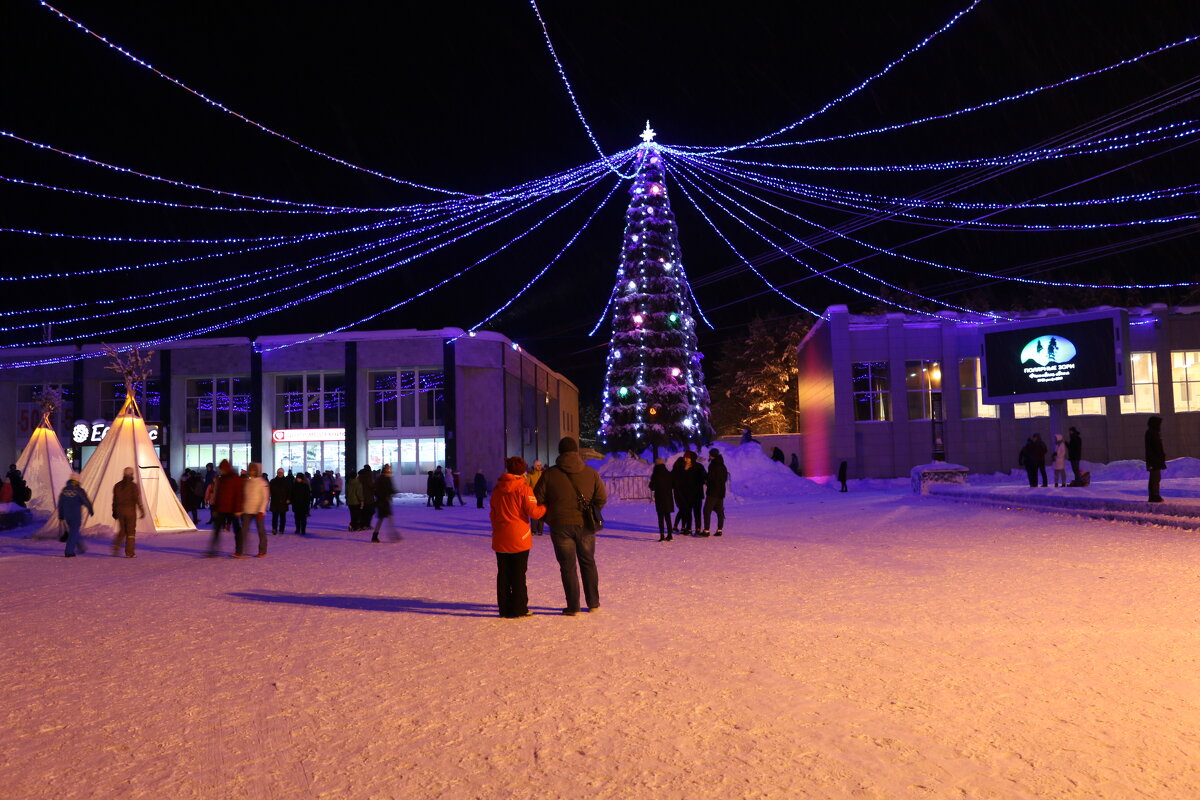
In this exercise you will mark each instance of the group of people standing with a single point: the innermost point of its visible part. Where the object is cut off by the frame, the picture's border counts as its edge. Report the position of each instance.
(691, 490)
(1034, 453)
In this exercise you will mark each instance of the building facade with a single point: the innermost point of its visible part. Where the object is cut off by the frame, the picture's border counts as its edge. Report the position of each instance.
(870, 387)
(412, 399)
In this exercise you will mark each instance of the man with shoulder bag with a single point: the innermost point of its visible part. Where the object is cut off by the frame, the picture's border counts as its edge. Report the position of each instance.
(573, 495)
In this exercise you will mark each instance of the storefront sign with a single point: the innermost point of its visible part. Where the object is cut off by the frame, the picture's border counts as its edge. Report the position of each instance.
(308, 435)
(92, 433)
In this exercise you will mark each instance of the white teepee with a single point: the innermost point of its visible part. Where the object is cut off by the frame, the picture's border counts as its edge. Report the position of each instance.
(127, 444)
(45, 468)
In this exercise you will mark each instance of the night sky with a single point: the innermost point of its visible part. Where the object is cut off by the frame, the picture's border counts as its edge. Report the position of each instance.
(466, 97)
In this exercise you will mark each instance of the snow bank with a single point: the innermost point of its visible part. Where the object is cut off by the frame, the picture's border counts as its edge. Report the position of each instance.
(752, 473)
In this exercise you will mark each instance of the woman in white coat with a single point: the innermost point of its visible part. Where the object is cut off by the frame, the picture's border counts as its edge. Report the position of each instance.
(1060, 460)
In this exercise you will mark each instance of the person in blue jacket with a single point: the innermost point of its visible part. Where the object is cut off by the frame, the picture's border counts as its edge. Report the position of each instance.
(71, 503)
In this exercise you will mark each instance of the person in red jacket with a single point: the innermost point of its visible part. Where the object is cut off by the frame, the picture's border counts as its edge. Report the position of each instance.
(226, 506)
(512, 506)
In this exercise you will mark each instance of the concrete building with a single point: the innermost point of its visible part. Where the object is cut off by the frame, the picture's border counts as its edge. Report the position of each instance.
(869, 387)
(413, 399)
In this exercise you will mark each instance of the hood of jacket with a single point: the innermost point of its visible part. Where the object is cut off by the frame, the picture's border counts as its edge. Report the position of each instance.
(571, 463)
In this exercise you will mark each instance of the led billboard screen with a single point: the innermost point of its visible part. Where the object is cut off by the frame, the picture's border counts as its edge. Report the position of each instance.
(1056, 358)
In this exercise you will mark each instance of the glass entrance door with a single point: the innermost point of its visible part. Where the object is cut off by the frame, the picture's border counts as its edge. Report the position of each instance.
(310, 457)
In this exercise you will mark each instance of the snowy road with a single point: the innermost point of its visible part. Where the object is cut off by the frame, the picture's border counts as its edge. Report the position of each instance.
(861, 645)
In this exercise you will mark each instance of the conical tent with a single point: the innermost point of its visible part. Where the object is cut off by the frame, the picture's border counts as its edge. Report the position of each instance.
(45, 468)
(127, 444)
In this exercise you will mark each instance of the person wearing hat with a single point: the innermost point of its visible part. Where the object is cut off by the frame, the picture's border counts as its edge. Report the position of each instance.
(71, 502)
(512, 507)
(562, 490)
(127, 508)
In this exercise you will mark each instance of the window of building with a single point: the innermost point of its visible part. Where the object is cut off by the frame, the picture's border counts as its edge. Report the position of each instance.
(408, 456)
(148, 396)
(1027, 410)
(310, 400)
(406, 398)
(1085, 406)
(1185, 379)
(197, 456)
(1144, 377)
(923, 387)
(218, 405)
(970, 392)
(872, 391)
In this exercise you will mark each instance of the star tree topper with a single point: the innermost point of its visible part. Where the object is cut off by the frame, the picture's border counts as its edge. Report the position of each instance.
(648, 134)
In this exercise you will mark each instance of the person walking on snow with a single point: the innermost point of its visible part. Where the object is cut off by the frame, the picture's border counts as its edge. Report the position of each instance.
(383, 505)
(662, 488)
(563, 490)
(354, 500)
(1060, 461)
(366, 481)
(226, 506)
(71, 502)
(128, 509)
(256, 496)
(512, 507)
(714, 500)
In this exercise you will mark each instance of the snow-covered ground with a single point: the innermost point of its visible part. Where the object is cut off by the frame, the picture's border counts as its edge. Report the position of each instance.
(862, 645)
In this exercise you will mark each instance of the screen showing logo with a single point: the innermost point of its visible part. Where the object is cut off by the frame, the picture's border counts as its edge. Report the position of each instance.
(1056, 358)
(1047, 359)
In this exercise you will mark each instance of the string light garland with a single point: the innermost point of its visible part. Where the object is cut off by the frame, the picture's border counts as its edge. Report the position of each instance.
(220, 106)
(974, 273)
(272, 274)
(346, 284)
(549, 263)
(424, 292)
(964, 110)
(562, 73)
(864, 84)
(1094, 147)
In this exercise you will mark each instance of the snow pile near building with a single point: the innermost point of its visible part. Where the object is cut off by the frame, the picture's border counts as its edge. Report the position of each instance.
(752, 473)
(1135, 469)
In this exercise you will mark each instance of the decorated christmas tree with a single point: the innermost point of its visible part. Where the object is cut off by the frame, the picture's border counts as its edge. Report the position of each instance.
(654, 394)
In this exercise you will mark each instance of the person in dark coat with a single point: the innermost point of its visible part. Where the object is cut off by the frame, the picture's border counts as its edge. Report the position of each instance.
(714, 495)
(686, 484)
(366, 481)
(21, 493)
(429, 488)
(281, 498)
(301, 499)
(71, 502)
(1033, 458)
(127, 508)
(794, 464)
(662, 487)
(777, 455)
(210, 476)
(698, 476)
(480, 487)
(559, 491)
(843, 469)
(1074, 451)
(189, 494)
(316, 488)
(437, 488)
(384, 489)
(1156, 458)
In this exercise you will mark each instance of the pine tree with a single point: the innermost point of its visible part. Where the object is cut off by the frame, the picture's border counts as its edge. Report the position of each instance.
(654, 392)
(758, 384)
